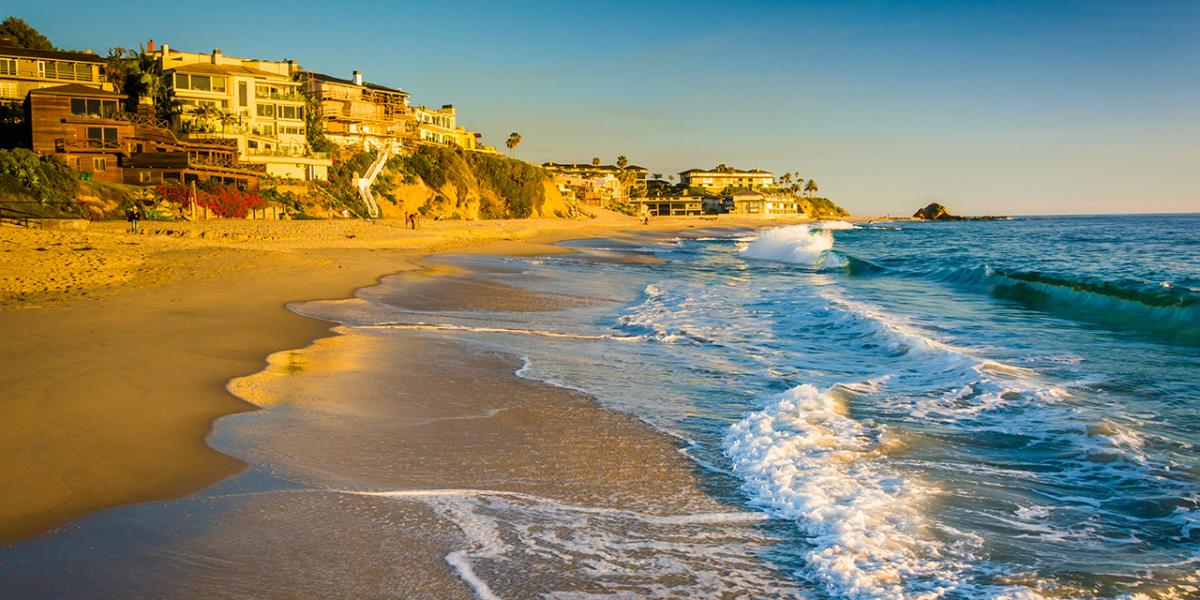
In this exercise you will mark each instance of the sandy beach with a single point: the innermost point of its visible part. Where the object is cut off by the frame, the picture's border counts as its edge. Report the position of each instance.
(118, 347)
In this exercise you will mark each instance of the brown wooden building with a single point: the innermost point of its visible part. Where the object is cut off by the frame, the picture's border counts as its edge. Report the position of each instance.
(88, 129)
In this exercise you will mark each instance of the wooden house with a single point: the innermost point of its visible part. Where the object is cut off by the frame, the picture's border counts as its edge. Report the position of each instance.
(87, 128)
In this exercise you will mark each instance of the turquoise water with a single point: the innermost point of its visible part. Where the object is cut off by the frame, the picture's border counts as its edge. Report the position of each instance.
(977, 409)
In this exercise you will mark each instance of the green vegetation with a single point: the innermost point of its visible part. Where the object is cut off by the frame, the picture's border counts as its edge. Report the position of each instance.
(43, 185)
(516, 186)
(514, 140)
(505, 188)
(24, 35)
(824, 207)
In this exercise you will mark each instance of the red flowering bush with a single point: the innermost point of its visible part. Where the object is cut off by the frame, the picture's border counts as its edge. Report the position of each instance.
(223, 200)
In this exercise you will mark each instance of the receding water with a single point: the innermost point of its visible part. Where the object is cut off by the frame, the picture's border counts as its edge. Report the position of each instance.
(966, 409)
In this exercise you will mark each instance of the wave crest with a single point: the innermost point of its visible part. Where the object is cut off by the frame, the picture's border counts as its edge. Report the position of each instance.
(796, 244)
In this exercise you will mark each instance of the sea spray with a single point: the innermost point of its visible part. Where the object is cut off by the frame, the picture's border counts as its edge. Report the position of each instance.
(801, 458)
(795, 244)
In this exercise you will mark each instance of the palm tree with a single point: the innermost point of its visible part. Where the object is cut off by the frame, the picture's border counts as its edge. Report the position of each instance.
(116, 70)
(202, 113)
(658, 175)
(227, 118)
(811, 187)
(671, 177)
(622, 162)
(786, 179)
(514, 140)
(596, 161)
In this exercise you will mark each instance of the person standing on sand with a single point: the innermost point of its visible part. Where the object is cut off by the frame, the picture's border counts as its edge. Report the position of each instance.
(132, 215)
(416, 220)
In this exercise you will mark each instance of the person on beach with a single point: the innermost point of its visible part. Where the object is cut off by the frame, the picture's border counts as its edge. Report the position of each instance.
(407, 220)
(645, 216)
(132, 215)
(416, 220)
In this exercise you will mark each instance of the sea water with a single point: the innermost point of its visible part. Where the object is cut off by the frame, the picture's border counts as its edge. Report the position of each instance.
(972, 409)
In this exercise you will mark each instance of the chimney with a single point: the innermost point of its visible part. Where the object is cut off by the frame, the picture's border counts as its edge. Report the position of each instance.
(358, 78)
(165, 51)
(216, 57)
(150, 47)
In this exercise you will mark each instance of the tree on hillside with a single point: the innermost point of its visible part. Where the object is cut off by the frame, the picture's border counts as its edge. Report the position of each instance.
(596, 161)
(514, 140)
(671, 177)
(786, 179)
(23, 35)
(658, 175)
(622, 162)
(116, 68)
(811, 187)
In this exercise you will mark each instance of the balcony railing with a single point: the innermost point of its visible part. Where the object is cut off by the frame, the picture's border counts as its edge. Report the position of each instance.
(286, 153)
(25, 72)
(62, 145)
(279, 96)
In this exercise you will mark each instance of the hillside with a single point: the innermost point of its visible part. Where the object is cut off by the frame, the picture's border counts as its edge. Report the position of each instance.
(444, 183)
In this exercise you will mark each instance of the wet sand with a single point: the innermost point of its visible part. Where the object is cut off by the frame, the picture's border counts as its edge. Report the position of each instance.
(408, 464)
(117, 348)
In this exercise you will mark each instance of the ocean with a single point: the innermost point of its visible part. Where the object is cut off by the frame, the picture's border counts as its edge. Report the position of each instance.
(999, 409)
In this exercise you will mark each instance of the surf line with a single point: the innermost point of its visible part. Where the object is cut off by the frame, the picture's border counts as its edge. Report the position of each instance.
(511, 330)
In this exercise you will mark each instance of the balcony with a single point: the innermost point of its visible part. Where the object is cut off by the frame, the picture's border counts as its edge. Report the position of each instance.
(295, 96)
(286, 153)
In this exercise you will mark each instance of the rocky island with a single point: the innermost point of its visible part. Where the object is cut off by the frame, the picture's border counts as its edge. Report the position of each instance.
(937, 212)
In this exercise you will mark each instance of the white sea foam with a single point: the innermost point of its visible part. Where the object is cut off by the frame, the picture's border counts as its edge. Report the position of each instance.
(803, 459)
(834, 225)
(623, 552)
(795, 244)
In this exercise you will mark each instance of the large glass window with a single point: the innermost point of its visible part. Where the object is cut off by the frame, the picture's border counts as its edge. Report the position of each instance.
(102, 137)
(93, 107)
(291, 112)
(8, 66)
(201, 83)
(266, 110)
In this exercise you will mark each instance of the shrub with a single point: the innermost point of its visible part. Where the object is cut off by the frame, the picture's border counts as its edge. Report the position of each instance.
(223, 200)
(45, 179)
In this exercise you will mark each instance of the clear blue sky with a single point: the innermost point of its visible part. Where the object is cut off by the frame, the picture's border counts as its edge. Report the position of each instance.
(988, 107)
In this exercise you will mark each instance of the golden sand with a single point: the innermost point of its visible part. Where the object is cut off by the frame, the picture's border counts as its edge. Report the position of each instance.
(116, 348)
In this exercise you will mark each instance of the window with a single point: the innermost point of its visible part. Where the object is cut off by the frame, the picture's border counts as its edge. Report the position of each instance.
(266, 110)
(291, 112)
(71, 71)
(102, 137)
(8, 66)
(243, 95)
(93, 107)
(99, 164)
(200, 83)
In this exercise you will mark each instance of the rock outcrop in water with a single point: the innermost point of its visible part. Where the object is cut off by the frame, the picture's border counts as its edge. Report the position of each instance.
(937, 212)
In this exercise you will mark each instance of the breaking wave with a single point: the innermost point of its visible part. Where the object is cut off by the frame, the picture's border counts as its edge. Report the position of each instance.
(806, 245)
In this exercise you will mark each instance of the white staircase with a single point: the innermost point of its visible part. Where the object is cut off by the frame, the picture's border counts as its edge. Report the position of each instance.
(365, 182)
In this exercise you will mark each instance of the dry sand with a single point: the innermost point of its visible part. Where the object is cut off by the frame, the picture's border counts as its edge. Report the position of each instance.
(117, 348)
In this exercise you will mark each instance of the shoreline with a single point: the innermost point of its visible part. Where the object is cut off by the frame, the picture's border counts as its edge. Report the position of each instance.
(120, 389)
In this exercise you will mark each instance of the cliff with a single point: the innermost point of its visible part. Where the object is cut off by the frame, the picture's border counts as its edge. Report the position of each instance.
(444, 183)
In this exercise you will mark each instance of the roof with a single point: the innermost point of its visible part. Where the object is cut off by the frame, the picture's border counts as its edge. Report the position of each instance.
(76, 89)
(223, 70)
(730, 171)
(366, 84)
(55, 54)
(745, 193)
(590, 166)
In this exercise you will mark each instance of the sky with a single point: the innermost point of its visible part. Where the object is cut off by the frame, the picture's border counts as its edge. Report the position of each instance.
(1012, 107)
